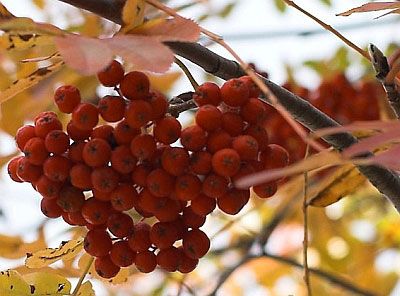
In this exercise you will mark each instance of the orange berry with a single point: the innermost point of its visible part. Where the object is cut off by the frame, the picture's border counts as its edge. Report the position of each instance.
(246, 146)
(159, 183)
(122, 160)
(124, 133)
(56, 142)
(57, 168)
(159, 104)
(207, 94)
(200, 162)
(175, 160)
(143, 146)
(234, 92)
(232, 123)
(96, 152)
(123, 197)
(138, 113)
(187, 187)
(226, 162)
(12, 169)
(35, 151)
(193, 138)
(23, 135)
(104, 179)
(215, 186)
(80, 176)
(218, 140)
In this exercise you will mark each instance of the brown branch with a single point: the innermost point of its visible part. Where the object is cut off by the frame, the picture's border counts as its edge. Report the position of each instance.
(386, 181)
(382, 70)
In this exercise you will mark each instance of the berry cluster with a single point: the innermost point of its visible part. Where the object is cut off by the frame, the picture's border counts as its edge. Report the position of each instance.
(100, 176)
(341, 99)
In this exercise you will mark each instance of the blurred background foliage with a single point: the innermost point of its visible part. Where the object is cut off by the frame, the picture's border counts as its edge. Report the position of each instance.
(353, 243)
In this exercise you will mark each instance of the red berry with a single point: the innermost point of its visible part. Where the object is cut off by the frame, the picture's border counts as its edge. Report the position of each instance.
(67, 97)
(112, 74)
(135, 85)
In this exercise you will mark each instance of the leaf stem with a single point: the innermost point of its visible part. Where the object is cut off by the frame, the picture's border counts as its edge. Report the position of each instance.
(79, 284)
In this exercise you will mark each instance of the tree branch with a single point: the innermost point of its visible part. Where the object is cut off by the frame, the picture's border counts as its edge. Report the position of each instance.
(386, 181)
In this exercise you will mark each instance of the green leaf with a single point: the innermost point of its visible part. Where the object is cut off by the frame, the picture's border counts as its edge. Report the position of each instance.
(226, 11)
(327, 2)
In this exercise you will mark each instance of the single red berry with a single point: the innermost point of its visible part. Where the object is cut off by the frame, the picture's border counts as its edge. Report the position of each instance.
(95, 212)
(195, 243)
(207, 94)
(57, 168)
(167, 130)
(85, 116)
(96, 152)
(111, 108)
(145, 261)
(120, 225)
(208, 117)
(12, 169)
(57, 142)
(235, 92)
(121, 255)
(193, 138)
(35, 151)
(139, 241)
(159, 104)
(226, 162)
(143, 146)
(169, 259)
(135, 85)
(112, 75)
(67, 97)
(50, 208)
(138, 113)
(23, 135)
(70, 199)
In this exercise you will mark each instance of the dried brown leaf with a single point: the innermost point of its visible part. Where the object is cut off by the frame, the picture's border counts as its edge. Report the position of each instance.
(372, 6)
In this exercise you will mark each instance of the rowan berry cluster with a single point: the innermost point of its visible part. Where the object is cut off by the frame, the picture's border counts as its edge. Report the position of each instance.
(336, 96)
(100, 176)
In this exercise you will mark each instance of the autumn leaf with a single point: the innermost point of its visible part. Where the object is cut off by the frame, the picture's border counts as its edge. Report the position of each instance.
(32, 79)
(46, 283)
(67, 250)
(5, 13)
(9, 41)
(372, 6)
(163, 83)
(171, 29)
(14, 247)
(86, 289)
(132, 14)
(37, 283)
(143, 49)
(344, 181)
(25, 25)
(12, 284)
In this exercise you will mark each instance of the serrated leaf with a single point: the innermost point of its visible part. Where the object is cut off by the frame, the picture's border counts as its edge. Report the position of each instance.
(133, 14)
(86, 289)
(372, 6)
(344, 181)
(34, 78)
(66, 250)
(12, 284)
(9, 41)
(46, 283)
(280, 5)
(171, 29)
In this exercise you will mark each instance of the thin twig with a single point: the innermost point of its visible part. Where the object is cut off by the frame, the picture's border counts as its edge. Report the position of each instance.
(305, 238)
(189, 75)
(329, 28)
(85, 271)
(334, 279)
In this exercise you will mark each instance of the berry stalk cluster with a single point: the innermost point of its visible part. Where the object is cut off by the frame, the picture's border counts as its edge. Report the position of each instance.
(142, 163)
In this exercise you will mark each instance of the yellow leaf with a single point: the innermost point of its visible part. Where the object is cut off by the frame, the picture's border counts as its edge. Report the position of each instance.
(25, 25)
(67, 250)
(9, 244)
(86, 289)
(163, 83)
(49, 284)
(9, 41)
(32, 79)
(133, 14)
(4, 13)
(342, 182)
(39, 3)
(12, 284)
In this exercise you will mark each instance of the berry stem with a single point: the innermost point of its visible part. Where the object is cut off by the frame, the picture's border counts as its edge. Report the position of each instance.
(82, 277)
(189, 75)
